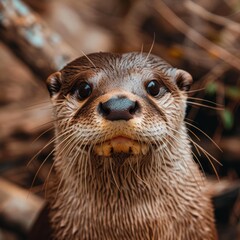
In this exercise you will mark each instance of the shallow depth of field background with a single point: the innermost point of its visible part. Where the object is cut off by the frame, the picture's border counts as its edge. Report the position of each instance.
(39, 37)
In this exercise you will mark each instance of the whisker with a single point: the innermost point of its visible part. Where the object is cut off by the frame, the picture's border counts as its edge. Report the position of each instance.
(206, 101)
(65, 170)
(209, 157)
(46, 182)
(150, 50)
(196, 90)
(114, 179)
(57, 120)
(141, 52)
(41, 165)
(46, 145)
(183, 158)
(48, 130)
(208, 137)
(199, 162)
(88, 59)
(137, 175)
(203, 105)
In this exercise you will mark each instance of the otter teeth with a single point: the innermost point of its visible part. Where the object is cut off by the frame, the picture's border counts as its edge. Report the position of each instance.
(136, 148)
(104, 149)
(120, 145)
(144, 149)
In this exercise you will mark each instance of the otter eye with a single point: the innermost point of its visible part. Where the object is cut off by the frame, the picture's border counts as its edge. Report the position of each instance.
(84, 90)
(153, 88)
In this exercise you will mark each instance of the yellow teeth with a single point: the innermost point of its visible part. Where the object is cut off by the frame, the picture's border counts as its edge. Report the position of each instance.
(121, 145)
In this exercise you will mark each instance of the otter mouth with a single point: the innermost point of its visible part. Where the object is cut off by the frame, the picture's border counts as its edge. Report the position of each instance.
(121, 145)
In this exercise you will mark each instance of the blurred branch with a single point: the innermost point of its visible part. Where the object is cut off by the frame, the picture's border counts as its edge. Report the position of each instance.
(18, 130)
(195, 36)
(18, 207)
(31, 39)
(200, 11)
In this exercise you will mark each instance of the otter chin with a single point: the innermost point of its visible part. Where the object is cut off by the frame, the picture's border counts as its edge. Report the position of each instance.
(123, 161)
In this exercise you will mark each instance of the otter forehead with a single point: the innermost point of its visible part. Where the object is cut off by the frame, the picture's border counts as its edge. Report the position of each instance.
(118, 62)
(109, 70)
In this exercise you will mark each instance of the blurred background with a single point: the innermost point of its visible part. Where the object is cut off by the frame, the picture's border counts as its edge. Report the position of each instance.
(39, 37)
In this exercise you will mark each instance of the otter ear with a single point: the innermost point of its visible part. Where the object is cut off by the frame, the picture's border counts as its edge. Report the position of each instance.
(54, 83)
(183, 79)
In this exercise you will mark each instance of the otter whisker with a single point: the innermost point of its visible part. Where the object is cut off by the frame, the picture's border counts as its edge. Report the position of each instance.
(220, 106)
(49, 122)
(190, 139)
(40, 135)
(162, 155)
(199, 162)
(78, 157)
(208, 155)
(196, 90)
(141, 51)
(198, 152)
(204, 105)
(66, 170)
(43, 162)
(206, 101)
(52, 140)
(113, 175)
(89, 59)
(210, 158)
(137, 175)
(150, 50)
(51, 168)
(208, 137)
(46, 182)
(41, 165)
(86, 162)
(183, 158)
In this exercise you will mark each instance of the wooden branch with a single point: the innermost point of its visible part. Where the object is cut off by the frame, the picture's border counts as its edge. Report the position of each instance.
(18, 207)
(195, 36)
(200, 11)
(19, 129)
(230, 147)
(31, 39)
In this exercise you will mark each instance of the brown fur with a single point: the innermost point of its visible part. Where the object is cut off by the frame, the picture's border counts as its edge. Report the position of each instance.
(159, 195)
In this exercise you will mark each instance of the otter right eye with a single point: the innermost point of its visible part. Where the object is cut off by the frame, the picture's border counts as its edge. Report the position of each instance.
(84, 90)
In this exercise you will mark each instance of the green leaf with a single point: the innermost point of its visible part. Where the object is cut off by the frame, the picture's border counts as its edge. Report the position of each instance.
(233, 92)
(228, 119)
(211, 88)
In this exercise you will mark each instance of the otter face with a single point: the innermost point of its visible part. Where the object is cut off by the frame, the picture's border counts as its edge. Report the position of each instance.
(118, 104)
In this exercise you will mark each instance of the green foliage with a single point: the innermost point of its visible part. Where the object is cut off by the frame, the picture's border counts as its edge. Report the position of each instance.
(227, 118)
(211, 88)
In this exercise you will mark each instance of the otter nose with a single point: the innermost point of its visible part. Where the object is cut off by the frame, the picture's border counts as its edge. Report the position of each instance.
(118, 108)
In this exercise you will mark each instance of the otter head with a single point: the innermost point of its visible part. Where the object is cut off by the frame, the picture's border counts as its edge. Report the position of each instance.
(118, 105)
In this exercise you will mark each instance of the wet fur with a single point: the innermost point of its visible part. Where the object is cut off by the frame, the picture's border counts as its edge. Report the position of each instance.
(157, 196)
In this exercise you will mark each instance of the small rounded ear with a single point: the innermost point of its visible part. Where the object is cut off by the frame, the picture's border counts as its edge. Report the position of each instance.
(54, 83)
(183, 79)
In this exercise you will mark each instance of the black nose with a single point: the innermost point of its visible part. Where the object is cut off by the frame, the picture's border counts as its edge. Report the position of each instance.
(118, 108)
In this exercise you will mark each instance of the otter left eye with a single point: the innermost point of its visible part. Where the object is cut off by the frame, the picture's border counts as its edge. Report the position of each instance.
(153, 88)
(84, 90)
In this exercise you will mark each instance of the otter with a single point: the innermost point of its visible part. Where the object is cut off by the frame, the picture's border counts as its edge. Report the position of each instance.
(123, 162)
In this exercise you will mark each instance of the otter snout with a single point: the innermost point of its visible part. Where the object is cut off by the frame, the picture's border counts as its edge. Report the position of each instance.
(118, 108)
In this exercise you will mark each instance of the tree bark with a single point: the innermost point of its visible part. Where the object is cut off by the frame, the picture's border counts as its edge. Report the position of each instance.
(29, 37)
